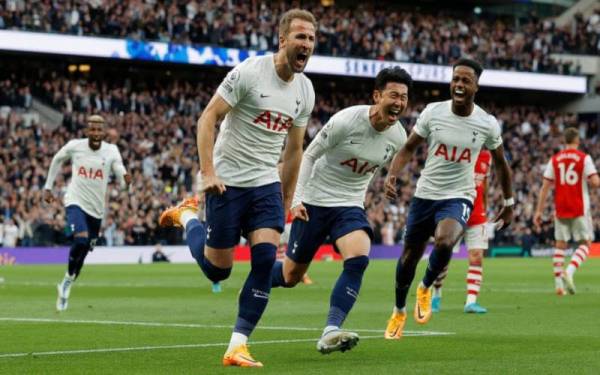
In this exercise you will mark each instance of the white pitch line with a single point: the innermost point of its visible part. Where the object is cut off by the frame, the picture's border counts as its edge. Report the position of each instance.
(142, 348)
(512, 287)
(194, 325)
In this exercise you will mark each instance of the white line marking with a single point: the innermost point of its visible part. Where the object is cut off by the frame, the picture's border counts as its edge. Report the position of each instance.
(194, 325)
(141, 348)
(504, 288)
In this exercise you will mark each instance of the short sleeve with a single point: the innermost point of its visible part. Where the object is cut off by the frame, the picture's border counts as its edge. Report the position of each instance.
(422, 125)
(549, 171)
(309, 104)
(589, 169)
(331, 133)
(494, 138)
(235, 84)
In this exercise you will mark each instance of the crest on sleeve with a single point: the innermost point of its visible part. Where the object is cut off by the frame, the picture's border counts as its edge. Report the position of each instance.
(234, 75)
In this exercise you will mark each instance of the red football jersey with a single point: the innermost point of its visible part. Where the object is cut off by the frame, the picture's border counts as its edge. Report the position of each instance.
(569, 170)
(482, 171)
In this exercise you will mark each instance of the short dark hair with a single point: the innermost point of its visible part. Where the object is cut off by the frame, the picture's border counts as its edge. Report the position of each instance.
(571, 134)
(471, 64)
(393, 74)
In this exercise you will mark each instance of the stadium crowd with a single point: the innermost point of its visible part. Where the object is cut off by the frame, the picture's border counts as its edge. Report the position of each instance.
(388, 31)
(154, 126)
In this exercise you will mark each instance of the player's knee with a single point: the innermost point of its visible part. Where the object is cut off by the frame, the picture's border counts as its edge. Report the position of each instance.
(357, 264)
(292, 279)
(444, 243)
(263, 256)
(217, 274)
(81, 244)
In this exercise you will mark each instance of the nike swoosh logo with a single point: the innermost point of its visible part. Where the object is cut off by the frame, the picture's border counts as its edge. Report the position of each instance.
(247, 359)
(355, 143)
(419, 315)
(264, 96)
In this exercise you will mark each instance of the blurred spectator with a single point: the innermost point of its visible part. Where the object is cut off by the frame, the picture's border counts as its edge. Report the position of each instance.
(384, 30)
(158, 255)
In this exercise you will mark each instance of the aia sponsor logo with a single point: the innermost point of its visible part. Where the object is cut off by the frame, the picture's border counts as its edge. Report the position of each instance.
(360, 167)
(90, 173)
(274, 121)
(453, 153)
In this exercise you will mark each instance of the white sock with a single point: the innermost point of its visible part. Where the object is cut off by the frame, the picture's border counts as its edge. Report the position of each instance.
(471, 298)
(329, 329)
(187, 216)
(437, 292)
(421, 285)
(399, 311)
(237, 339)
(68, 277)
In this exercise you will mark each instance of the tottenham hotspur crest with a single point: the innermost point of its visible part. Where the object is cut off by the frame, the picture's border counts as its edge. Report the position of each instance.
(388, 152)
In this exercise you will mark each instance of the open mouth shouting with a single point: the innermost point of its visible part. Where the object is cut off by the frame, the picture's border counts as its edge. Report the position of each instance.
(459, 94)
(300, 61)
(393, 115)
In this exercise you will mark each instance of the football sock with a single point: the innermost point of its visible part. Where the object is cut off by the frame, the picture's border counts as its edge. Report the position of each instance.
(187, 216)
(438, 261)
(236, 340)
(255, 292)
(474, 279)
(196, 238)
(577, 259)
(437, 284)
(405, 273)
(346, 290)
(557, 261)
(277, 278)
(77, 254)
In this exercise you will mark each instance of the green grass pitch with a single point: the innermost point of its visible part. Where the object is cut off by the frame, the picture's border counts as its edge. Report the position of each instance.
(163, 319)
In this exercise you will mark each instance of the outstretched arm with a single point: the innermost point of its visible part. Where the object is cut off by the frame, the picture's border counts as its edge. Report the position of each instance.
(504, 217)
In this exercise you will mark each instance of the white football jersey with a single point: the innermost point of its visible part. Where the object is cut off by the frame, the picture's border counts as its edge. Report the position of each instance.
(90, 173)
(346, 153)
(252, 134)
(454, 143)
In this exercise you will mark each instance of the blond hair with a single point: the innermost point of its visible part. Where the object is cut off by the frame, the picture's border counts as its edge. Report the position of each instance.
(292, 14)
(96, 118)
(571, 134)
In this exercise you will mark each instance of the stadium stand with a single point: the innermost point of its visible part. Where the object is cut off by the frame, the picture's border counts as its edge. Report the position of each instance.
(386, 31)
(153, 122)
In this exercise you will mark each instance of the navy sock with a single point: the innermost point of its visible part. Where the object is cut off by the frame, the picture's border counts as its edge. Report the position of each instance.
(254, 296)
(346, 290)
(277, 279)
(405, 273)
(438, 260)
(77, 254)
(196, 239)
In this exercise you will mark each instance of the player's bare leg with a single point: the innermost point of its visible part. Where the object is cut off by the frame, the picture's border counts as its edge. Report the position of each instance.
(579, 256)
(558, 260)
(405, 273)
(474, 280)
